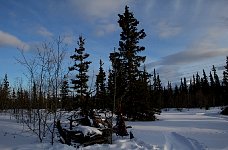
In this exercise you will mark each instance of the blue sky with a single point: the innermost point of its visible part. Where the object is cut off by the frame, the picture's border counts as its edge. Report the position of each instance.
(183, 36)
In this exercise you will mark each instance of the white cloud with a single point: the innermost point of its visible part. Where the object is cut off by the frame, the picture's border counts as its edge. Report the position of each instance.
(166, 30)
(98, 8)
(68, 38)
(44, 32)
(210, 45)
(101, 14)
(177, 5)
(7, 39)
(106, 29)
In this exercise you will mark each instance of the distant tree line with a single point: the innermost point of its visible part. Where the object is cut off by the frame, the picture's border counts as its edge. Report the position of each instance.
(201, 91)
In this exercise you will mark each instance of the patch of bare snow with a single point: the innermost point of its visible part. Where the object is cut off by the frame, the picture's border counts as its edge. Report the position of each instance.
(176, 141)
(86, 130)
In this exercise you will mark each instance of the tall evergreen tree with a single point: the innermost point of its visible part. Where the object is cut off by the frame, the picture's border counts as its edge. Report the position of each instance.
(205, 89)
(154, 80)
(4, 93)
(198, 90)
(117, 85)
(198, 81)
(225, 74)
(100, 87)
(185, 93)
(176, 95)
(225, 83)
(128, 44)
(156, 94)
(191, 93)
(128, 61)
(205, 84)
(81, 77)
(157, 85)
(64, 93)
(142, 99)
(111, 90)
(170, 94)
(212, 90)
(217, 87)
(14, 99)
(216, 78)
(212, 82)
(184, 86)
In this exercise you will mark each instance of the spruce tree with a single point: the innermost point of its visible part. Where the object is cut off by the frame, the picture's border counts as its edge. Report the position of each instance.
(198, 82)
(14, 99)
(205, 89)
(217, 88)
(128, 44)
(194, 90)
(154, 80)
(5, 93)
(191, 94)
(176, 95)
(225, 74)
(111, 89)
(117, 84)
(225, 79)
(64, 93)
(142, 98)
(216, 78)
(205, 84)
(157, 90)
(127, 62)
(185, 93)
(198, 89)
(170, 94)
(100, 87)
(212, 82)
(81, 77)
(225, 83)
(212, 90)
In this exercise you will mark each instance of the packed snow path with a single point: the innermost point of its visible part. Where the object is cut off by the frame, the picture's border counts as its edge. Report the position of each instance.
(193, 129)
(176, 141)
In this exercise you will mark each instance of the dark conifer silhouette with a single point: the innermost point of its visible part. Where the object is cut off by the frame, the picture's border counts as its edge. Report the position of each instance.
(4, 94)
(81, 77)
(217, 86)
(205, 89)
(64, 94)
(225, 83)
(100, 97)
(126, 62)
(225, 74)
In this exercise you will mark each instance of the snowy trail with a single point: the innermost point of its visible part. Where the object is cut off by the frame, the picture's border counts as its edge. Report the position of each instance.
(204, 129)
(176, 141)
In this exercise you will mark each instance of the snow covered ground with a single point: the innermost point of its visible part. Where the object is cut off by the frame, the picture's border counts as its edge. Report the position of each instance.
(193, 129)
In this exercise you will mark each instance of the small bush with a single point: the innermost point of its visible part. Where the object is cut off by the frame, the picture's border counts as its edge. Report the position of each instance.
(146, 116)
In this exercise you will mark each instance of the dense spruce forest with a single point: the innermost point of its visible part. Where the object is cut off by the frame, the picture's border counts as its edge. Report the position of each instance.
(125, 88)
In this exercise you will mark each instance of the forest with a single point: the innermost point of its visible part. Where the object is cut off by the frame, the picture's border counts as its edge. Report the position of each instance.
(125, 88)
